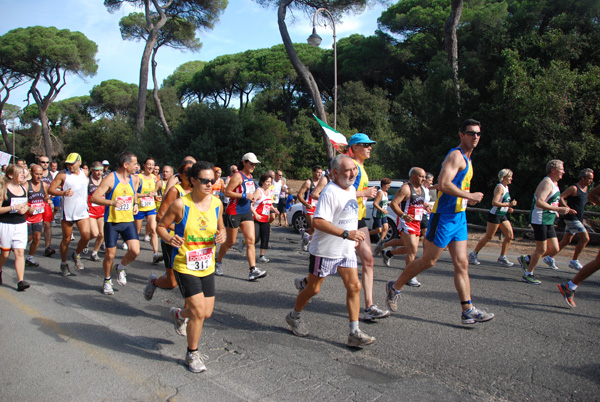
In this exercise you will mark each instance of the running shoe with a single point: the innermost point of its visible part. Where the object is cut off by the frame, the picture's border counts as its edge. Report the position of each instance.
(305, 241)
(195, 361)
(299, 284)
(94, 257)
(77, 260)
(218, 269)
(414, 283)
(263, 259)
(358, 339)
(124, 247)
(386, 259)
(64, 269)
(576, 265)
(30, 262)
(550, 262)
(85, 250)
(22, 285)
(180, 325)
(473, 315)
(49, 251)
(374, 312)
(108, 287)
(379, 246)
(567, 293)
(103, 247)
(150, 288)
(473, 258)
(121, 275)
(147, 238)
(502, 260)
(391, 296)
(156, 258)
(523, 262)
(256, 274)
(530, 279)
(297, 325)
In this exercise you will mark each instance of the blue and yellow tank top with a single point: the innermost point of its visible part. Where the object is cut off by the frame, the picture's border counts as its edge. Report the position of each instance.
(146, 202)
(361, 183)
(197, 229)
(449, 204)
(124, 192)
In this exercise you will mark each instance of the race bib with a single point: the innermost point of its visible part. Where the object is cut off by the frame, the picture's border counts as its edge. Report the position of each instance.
(464, 203)
(199, 260)
(38, 208)
(419, 213)
(16, 201)
(250, 187)
(503, 209)
(146, 201)
(267, 209)
(127, 203)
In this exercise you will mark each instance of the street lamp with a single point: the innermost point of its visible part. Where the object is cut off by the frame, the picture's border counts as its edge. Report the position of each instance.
(315, 40)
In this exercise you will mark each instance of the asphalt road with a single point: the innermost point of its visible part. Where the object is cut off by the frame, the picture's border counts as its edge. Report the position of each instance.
(63, 340)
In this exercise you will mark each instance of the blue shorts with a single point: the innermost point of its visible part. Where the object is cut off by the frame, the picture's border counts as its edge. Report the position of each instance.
(142, 214)
(56, 201)
(112, 230)
(446, 228)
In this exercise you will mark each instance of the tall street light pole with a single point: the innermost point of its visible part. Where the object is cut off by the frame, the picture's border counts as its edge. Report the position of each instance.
(315, 40)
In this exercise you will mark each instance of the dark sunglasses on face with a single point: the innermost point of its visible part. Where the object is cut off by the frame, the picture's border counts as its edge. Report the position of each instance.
(206, 181)
(473, 133)
(365, 145)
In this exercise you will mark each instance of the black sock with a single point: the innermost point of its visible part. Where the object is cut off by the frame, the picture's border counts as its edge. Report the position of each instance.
(389, 254)
(190, 350)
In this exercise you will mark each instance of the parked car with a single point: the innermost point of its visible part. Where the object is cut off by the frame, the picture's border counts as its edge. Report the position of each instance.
(297, 220)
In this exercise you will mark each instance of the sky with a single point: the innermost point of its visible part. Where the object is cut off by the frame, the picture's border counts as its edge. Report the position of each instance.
(244, 25)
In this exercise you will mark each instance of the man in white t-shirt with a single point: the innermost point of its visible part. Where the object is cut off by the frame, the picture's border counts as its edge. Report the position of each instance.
(332, 249)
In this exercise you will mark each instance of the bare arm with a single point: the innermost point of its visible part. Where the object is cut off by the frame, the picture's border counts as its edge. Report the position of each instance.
(105, 186)
(542, 192)
(569, 192)
(302, 191)
(58, 182)
(402, 194)
(377, 200)
(320, 186)
(330, 228)
(594, 196)
(496, 199)
(173, 214)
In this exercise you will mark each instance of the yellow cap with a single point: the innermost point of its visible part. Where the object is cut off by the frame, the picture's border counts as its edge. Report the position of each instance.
(73, 157)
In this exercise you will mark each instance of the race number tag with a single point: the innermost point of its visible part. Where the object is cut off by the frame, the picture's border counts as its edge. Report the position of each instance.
(504, 209)
(16, 201)
(127, 203)
(250, 187)
(38, 208)
(146, 201)
(418, 213)
(200, 259)
(464, 203)
(267, 209)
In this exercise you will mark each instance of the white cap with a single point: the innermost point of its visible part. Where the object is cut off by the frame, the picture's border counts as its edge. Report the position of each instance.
(105, 162)
(250, 157)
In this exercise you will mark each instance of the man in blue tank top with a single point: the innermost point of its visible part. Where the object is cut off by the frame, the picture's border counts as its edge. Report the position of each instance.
(448, 225)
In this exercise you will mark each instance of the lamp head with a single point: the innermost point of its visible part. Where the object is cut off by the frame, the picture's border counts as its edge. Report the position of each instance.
(314, 39)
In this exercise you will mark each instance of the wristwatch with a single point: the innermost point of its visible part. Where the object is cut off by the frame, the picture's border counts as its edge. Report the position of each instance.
(345, 234)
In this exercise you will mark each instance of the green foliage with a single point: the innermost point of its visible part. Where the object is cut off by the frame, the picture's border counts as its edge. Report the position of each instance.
(114, 97)
(181, 80)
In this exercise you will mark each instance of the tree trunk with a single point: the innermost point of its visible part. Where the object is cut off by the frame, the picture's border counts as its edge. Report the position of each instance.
(143, 87)
(45, 131)
(159, 108)
(304, 73)
(4, 131)
(452, 45)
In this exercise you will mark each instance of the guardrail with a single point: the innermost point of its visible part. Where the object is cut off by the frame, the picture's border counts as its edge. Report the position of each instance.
(594, 236)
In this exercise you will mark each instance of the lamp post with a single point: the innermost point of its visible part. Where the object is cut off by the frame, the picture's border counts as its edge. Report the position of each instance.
(315, 40)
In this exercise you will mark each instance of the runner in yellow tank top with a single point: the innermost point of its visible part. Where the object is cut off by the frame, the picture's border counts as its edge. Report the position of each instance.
(146, 191)
(198, 227)
(121, 206)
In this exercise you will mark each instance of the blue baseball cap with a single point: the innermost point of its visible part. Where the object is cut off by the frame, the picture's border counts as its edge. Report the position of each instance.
(360, 138)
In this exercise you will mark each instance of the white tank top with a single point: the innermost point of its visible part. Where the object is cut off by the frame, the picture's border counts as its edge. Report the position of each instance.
(75, 207)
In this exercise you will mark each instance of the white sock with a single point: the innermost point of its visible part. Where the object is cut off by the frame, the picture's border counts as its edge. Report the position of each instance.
(353, 326)
(295, 314)
(572, 286)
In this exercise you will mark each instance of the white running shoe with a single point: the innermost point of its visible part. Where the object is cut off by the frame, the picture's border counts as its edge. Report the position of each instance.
(263, 259)
(576, 265)
(195, 361)
(414, 283)
(550, 262)
(502, 260)
(108, 288)
(218, 269)
(122, 276)
(124, 247)
(256, 274)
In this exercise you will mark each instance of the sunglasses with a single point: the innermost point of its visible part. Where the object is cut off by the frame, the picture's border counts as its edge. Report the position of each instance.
(473, 133)
(44, 161)
(206, 181)
(365, 145)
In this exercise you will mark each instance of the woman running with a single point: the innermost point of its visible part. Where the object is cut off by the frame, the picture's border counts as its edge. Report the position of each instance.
(261, 209)
(13, 227)
(380, 210)
(146, 192)
(96, 211)
(501, 205)
(240, 191)
(193, 250)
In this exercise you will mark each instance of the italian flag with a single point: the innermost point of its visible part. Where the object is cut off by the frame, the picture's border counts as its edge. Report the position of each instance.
(337, 139)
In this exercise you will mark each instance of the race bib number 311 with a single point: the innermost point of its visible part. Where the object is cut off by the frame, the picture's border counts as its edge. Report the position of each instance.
(199, 260)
